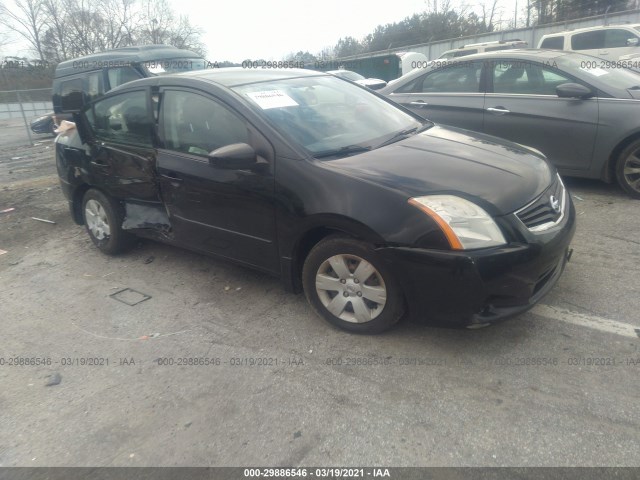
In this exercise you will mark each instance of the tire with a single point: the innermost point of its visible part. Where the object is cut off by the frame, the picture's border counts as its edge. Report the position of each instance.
(367, 301)
(628, 169)
(103, 219)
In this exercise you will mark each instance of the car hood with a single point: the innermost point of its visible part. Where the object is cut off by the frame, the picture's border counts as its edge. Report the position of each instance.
(498, 175)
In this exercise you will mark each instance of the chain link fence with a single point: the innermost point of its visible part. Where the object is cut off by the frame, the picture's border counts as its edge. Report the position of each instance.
(18, 108)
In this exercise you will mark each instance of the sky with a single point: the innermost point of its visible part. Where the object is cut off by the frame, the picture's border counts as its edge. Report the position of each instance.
(274, 28)
(253, 29)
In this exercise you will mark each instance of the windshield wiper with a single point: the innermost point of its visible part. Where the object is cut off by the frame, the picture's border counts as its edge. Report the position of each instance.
(402, 134)
(342, 151)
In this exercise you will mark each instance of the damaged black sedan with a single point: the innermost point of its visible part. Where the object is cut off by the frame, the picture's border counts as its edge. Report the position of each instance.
(371, 210)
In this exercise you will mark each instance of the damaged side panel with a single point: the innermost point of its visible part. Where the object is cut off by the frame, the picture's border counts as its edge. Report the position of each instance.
(131, 176)
(145, 216)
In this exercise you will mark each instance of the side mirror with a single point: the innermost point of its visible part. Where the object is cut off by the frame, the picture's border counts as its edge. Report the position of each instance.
(632, 42)
(237, 156)
(573, 90)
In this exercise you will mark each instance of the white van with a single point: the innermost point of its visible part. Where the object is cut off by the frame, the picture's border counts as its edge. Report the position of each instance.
(472, 48)
(613, 42)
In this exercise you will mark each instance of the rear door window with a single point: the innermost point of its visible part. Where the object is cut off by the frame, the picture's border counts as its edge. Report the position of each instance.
(123, 118)
(463, 78)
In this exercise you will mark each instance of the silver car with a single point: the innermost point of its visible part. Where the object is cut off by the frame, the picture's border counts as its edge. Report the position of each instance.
(584, 117)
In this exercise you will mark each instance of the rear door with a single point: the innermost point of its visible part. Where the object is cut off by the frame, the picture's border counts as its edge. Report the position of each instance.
(121, 159)
(450, 95)
(522, 106)
(221, 211)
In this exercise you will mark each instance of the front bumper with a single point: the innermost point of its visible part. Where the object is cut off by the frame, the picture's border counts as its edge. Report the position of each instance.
(473, 288)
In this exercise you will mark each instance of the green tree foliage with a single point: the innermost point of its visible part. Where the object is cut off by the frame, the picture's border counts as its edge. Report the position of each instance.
(302, 57)
(440, 21)
(436, 23)
(348, 46)
(549, 11)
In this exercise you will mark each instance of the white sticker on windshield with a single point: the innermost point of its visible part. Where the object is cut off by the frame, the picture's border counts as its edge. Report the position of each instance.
(596, 72)
(272, 99)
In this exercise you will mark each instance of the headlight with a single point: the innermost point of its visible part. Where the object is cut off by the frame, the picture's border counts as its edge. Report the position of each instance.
(465, 224)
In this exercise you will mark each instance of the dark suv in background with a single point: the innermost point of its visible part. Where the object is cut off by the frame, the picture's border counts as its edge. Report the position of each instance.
(83, 79)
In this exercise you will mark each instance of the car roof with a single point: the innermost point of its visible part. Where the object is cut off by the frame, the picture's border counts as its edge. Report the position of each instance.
(235, 76)
(523, 53)
(494, 43)
(588, 29)
(121, 57)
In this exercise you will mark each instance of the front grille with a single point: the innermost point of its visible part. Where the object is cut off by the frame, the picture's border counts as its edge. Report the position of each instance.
(540, 214)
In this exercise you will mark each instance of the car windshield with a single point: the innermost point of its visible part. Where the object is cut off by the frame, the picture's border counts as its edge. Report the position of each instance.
(165, 66)
(328, 116)
(618, 78)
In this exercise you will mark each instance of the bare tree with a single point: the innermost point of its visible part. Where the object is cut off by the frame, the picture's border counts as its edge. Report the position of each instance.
(62, 29)
(160, 26)
(488, 15)
(4, 39)
(118, 21)
(55, 39)
(27, 19)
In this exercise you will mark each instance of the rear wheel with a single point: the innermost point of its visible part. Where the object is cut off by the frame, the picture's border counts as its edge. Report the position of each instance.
(628, 169)
(103, 219)
(348, 285)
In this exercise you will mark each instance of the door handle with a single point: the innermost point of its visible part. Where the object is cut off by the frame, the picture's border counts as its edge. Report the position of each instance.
(172, 177)
(99, 164)
(419, 103)
(498, 110)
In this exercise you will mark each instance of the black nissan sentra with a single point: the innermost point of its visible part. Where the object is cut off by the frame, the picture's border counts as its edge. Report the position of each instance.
(371, 210)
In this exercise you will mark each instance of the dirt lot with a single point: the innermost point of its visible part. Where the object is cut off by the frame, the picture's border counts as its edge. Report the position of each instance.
(263, 381)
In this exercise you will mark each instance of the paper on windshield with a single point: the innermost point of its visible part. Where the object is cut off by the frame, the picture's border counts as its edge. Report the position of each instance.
(272, 99)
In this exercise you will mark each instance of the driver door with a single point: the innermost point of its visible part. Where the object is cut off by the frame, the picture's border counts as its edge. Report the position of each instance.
(222, 211)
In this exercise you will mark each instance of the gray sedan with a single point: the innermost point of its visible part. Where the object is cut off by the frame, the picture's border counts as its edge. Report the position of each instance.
(583, 117)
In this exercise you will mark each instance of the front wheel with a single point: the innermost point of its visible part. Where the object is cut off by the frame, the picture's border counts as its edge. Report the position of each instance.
(103, 219)
(628, 169)
(346, 282)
